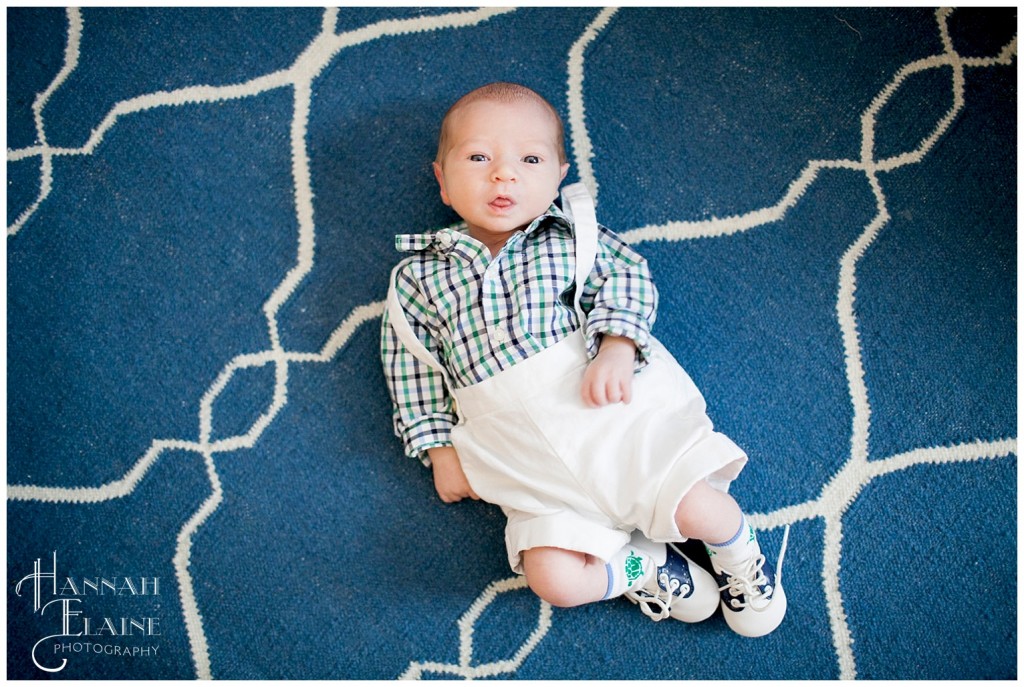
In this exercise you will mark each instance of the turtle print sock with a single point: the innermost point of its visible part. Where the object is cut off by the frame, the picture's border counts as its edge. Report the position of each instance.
(742, 547)
(627, 570)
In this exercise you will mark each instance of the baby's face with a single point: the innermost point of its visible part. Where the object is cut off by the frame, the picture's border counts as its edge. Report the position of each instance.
(501, 170)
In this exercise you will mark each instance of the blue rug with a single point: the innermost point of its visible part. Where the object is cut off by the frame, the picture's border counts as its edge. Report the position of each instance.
(202, 480)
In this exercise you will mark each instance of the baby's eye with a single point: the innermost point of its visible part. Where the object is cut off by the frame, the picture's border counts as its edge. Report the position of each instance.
(477, 157)
(531, 160)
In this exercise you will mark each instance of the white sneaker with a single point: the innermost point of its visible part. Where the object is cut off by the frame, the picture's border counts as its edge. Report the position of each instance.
(679, 588)
(753, 600)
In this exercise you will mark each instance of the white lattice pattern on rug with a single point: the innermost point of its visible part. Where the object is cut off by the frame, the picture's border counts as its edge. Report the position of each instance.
(835, 497)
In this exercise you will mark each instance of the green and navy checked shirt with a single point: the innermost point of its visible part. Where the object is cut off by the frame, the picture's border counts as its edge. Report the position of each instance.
(480, 315)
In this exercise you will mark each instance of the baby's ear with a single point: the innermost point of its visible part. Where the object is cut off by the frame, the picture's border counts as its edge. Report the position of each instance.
(439, 175)
(565, 170)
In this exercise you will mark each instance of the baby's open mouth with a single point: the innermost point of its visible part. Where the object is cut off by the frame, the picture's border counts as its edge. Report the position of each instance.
(502, 203)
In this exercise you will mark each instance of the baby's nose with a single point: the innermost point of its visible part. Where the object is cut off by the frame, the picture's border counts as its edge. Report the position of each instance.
(504, 171)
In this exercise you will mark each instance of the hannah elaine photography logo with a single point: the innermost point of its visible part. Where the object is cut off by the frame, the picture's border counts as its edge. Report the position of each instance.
(68, 604)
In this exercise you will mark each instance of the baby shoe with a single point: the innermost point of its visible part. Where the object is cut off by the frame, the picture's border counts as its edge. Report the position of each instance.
(679, 588)
(753, 600)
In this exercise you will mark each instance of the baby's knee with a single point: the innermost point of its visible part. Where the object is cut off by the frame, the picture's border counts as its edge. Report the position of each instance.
(689, 516)
(554, 576)
(704, 511)
(556, 592)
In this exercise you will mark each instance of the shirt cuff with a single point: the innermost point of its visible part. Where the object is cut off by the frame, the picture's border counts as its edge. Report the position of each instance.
(427, 433)
(620, 323)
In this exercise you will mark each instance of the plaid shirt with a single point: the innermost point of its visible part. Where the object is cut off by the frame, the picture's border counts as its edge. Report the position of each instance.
(480, 315)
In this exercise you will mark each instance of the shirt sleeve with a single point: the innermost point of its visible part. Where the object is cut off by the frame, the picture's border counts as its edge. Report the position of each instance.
(423, 412)
(620, 297)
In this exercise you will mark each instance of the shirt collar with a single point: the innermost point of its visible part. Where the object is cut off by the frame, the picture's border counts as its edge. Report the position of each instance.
(446, 241)
(559, 220)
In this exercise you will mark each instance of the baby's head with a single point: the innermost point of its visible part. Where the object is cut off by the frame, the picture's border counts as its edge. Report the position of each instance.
(506, 93)
(500, 159)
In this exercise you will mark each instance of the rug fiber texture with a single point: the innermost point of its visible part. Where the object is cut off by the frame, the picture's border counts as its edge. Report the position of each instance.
(202, 478)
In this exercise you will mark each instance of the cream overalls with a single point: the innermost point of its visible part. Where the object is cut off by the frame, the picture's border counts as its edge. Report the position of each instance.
(570, 476)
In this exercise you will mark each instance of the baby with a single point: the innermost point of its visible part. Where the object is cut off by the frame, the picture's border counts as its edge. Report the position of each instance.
(519, 359)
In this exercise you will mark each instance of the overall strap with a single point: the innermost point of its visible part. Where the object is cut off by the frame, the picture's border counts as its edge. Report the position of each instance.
(579, 206)
(398, 321)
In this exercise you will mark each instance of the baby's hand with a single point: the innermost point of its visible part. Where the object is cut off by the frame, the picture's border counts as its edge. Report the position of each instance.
(609, 377)
(449, 479)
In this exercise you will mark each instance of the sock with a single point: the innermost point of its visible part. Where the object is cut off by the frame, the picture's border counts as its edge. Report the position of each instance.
(740, 548)
(633, 565)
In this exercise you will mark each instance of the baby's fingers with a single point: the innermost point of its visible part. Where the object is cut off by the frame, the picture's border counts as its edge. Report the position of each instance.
(600, 391)
(619, 390)
(626, 390)
(593, 391)
(612, 392)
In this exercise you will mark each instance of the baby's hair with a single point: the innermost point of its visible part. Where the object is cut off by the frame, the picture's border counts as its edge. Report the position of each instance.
(502, 92)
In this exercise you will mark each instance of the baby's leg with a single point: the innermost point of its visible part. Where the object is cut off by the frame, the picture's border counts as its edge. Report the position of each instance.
(665, 583)
(753, 600)
(565, 578)
(572, 578)
(708, 514)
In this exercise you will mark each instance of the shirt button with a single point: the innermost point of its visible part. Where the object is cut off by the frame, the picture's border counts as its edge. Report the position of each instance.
(499, 334)
(445, 239)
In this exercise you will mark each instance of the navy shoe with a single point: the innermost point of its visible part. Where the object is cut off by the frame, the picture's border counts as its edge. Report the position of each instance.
(679, 588)
(753, 600)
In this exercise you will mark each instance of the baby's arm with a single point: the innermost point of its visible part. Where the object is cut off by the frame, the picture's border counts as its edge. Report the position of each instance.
(423, 413)
(620, 300)
(621, 304)
(609, 377)
(449, 479)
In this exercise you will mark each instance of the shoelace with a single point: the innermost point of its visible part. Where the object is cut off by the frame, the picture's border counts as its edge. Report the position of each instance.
(662, 598)
(746, 586)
